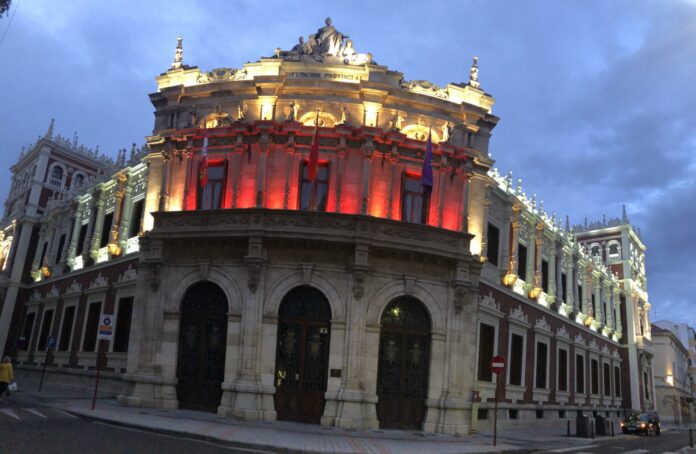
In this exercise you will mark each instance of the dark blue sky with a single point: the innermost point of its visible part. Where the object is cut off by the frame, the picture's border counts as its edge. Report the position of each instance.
(596, 98)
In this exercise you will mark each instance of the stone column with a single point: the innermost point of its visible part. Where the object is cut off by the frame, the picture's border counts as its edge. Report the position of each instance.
(97, 226)
(75, 235)
(617, 310)
(36, 263)
(531, 256)
(289, 153)
(575, 278)
(553, 268)
(126, 214)
(164, 183)
(237, 174)
(113, 243)
(368, 149)
(441, 186)
(558, 274)
(538, 257)
(341, 153)
(394, 170)
(511, 276)
(599, 307)
(265, 147)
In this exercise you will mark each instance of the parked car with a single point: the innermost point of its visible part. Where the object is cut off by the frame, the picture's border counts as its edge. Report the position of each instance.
(641, 423)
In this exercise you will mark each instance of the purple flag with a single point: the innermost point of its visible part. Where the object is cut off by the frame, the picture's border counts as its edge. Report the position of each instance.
(427, 172)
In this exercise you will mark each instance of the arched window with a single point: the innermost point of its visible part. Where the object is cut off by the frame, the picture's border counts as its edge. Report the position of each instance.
(57, 173)
(595, 251)
(79, 181)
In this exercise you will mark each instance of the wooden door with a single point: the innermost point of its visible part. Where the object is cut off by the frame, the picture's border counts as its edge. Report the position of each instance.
(302, 355)
(202, 346)
(404, 365)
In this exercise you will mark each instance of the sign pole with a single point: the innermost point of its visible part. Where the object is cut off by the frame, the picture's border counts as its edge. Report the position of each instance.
(104, 333)
(96, 384)
(497, 366)
(51, 346)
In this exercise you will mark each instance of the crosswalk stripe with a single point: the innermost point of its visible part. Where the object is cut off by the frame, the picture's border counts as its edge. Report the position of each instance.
(34, 412)
(65, 413)
(636, 451)
(573, 448)
(9, 413)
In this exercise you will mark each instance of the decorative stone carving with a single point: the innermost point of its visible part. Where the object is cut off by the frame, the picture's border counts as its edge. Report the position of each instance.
(474, 74)
(425, 87)
(563, 332)
(579, 339)
(307, 271)
(74, 289)
(178, 54)
(130, 274)
(488, 301)
(241, 111)
(605, 350)
(409, 283)
(35, 296)
(53, 292)
(253, 273)
(345, 116)
(593, 345)
(518, 314)
(326, 45)
(446, 132)
(293, 115)
(99, 282)
(358, 284)
(615, 354)
(542, 324)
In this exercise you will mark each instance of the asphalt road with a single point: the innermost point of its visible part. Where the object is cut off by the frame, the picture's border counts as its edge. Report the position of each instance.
(29, 426)
(634, 444)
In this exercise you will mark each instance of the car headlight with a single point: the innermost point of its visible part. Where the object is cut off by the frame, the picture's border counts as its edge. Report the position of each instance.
(642, 425)
(622, 424)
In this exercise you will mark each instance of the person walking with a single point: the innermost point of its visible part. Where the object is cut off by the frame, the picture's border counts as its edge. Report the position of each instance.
(6, 375)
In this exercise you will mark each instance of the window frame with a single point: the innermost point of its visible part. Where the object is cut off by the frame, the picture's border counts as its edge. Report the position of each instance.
(66, 306)
(546, 341)
(200, 191)
(584, 392)
(595, 360)
(89, 302)
(522, 267)
(488, 244)
(314, 190)
(134, 202)
(565, 347)
(607, 393)
(121, 295)
(35, 312)
(519, 331)
(47, 307)
(425, 198)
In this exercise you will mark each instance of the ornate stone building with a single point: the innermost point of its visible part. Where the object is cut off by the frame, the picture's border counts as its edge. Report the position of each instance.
(359, 298)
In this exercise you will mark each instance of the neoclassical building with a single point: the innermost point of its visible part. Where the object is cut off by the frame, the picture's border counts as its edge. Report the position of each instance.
(359, 299)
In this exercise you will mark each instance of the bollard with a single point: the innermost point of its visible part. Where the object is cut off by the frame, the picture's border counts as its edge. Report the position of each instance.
(691, 438)
(568, 427)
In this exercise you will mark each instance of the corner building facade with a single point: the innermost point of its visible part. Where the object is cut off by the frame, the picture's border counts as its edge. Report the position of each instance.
(358, 300)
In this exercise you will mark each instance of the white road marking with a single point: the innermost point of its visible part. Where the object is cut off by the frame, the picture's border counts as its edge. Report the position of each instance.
(64, 413)
(35, 412)
(636, 451)
(574, 448)
(9, 413)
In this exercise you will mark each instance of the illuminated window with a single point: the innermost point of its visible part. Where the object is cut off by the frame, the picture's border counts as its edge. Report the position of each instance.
(313, 195)
(210, 196)
(414, 203)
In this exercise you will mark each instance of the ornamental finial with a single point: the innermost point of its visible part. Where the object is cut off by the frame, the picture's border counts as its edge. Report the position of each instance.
(49, 132)
(473, 74)
(178, 54)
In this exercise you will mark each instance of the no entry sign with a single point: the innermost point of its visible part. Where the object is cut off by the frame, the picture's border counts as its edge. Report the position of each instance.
(497, 364)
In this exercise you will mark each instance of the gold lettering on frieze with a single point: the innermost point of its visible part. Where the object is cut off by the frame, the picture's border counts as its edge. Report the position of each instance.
(343, 77)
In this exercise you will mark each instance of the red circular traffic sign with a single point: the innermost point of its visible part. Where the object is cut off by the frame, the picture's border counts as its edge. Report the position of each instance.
(497, 364)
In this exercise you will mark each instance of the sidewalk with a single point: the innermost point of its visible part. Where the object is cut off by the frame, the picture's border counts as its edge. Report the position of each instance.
(282, 437)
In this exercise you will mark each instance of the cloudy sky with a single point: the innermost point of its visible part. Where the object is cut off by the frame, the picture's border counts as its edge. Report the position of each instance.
(597, 98)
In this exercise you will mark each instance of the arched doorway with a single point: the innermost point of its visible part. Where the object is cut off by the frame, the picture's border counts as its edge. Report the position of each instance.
(202, 345)
(404, 364)
(302, 355)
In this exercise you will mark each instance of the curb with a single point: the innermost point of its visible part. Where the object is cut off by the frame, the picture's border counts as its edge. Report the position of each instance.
(234, 444)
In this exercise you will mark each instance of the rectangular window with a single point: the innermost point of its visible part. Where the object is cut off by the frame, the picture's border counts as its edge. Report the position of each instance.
(486, 345)
(516, 352)
(606, 378)
(414, 203)
(89, 342)
(61, 245)
(512, 413)
(564, 287)
(136, 218)
(210, 197)
(106, 229)
(617, 381)
(579, 301)
(562, 369)
(522, 262)
(123, 323)
(493, 244)
(26, 331)
(482, 413)
(594, 371)
(594, 306)
(45, 330)
(43, 253)
(545, 276)
(539, 414)
(646, 388)
(313, 195)
(81, 239)
(66, 329)
(579, 374)
(541, 364)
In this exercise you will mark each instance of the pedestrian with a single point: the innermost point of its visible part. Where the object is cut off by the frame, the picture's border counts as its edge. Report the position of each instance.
(6, 375)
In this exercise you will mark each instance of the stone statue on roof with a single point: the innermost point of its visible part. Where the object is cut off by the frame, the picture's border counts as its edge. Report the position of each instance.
(178, 54)
(326, 45)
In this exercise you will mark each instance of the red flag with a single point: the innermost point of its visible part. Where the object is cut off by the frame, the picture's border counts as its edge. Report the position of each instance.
(203, 171)
(313, 164)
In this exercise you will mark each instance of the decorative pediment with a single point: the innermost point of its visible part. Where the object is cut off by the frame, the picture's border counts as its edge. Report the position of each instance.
(579, 339)
(130, 274)
(518, 314)
(99, 282)
(53, 293)
(605, 350)
(563, 333)
(615, 354)
(35, 297)
(542, 324)
(74, 289)
(488, 301)
(593, 345)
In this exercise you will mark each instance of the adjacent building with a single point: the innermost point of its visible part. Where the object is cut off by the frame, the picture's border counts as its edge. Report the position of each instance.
(358, 292)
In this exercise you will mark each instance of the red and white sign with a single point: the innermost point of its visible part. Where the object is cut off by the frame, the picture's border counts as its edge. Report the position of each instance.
(497, 364)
